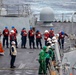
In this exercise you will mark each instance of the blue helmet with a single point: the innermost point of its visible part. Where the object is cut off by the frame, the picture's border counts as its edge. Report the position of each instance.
(13, 27)
(51, 29)
(37, 31)
(30, 28)
(6, 27)
(62, 33)
(24, 28)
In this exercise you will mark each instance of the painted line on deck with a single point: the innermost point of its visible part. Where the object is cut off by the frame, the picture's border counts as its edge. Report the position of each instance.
(21, 66)
(18, 69)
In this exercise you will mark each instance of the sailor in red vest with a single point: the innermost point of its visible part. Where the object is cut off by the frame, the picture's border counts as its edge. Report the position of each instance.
(61, 39)
(23, 38)
(15, 32)
(51, 32)
(38, 39)
(12, 36)
(46, 36)
(5, 36)
(31, 36)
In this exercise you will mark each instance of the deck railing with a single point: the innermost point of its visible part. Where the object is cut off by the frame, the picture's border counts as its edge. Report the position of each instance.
(15, 9)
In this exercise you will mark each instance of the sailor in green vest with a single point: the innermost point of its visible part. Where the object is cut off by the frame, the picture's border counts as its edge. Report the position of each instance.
(42, 61)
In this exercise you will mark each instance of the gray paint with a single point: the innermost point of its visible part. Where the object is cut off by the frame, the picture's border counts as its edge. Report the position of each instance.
(46, 14)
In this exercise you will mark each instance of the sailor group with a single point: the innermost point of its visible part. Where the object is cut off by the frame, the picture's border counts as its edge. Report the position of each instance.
(32, 34)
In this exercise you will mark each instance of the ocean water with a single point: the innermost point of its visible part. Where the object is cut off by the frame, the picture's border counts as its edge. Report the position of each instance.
(65, 7)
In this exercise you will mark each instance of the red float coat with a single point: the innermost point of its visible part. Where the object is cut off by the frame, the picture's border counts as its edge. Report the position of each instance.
(12, 36)
(5, 32)
(38, 35)
(46, 36)
(31, 34)
(62, 36)
(24, 33)
(15, 31)
(51, 32)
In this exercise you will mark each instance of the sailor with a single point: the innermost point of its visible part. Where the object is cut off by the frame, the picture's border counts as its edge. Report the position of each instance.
(5, 36)
(54, 40)
(46, 36)
(51, 32)
(61, 37)
(42, 61)
(13, 53)
(15, 32)
(48, 40)
(38, 39)
(12, 36)
(31, 36)
(23, 38)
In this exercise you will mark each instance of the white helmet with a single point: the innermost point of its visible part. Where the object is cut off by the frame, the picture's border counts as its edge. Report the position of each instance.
(12, 31)
(57, 35)
(46, 31)
(48, 39)
(13, 43)
(49, 42)
(54, 39)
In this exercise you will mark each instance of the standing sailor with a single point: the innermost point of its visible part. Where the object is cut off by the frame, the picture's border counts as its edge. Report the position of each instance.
(23, 38)
(38, 39)
(15, 32)
(46, 36)
(51, 32)
(31, 36)
(13, 53)
(42, 61)
(5, 36)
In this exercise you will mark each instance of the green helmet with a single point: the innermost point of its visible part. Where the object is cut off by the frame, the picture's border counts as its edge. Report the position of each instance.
(44, 48)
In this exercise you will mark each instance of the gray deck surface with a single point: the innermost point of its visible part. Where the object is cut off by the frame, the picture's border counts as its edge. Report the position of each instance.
(26, 58)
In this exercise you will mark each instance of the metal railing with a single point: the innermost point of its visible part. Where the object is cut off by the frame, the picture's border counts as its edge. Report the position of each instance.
(16, 9)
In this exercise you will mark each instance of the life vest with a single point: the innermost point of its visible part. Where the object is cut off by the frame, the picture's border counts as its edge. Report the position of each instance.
(31, 33)
(46, 36)
(38, 35)
(51, 33)
(6, 32)
(24, 33)
(61, 36)
(15, 31)
(14, 52)
(12, 36)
